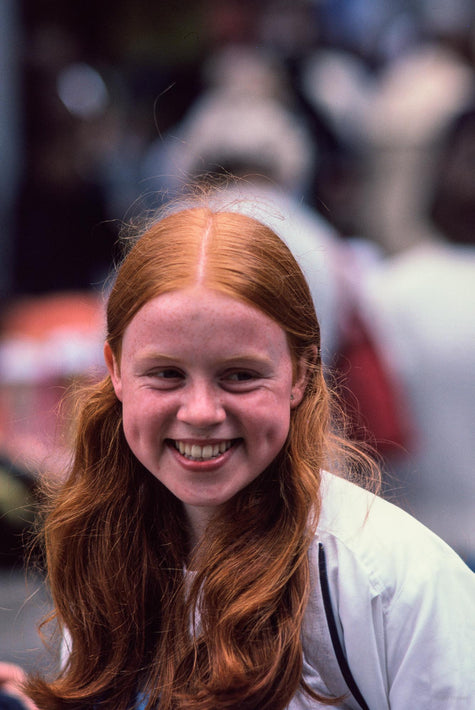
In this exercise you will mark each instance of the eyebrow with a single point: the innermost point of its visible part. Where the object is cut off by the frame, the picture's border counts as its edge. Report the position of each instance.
(147, 358)
(152, 355)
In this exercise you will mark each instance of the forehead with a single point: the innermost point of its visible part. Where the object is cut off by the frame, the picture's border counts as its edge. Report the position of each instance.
(198, 318)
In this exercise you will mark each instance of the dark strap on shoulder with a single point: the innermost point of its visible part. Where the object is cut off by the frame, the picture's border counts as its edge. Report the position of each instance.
(339, 652)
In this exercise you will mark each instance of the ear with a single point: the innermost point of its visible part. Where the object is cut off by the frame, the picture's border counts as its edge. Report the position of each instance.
(114, 370)
(301, 379)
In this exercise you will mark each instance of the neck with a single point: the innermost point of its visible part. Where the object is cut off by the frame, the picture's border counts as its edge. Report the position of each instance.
(198, 518)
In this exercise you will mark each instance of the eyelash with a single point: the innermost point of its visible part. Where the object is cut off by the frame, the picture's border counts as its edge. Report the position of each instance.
(237, 379)
(162, 374)
(234, 376)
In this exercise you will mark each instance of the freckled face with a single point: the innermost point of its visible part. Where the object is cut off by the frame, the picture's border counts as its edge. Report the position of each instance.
(205, 383)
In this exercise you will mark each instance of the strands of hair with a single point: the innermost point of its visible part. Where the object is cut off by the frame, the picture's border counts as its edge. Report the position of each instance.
(116, 539)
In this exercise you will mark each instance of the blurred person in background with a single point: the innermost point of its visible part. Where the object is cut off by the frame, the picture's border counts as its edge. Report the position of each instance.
(416, 95)
(421, 303)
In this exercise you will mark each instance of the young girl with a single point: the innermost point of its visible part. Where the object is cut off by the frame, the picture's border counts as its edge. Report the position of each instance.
(199, 556)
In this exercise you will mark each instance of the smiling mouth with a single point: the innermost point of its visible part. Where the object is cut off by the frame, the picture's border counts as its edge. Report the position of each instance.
(195, 452)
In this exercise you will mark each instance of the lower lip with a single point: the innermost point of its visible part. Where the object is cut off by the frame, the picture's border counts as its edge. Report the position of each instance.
(209, 464)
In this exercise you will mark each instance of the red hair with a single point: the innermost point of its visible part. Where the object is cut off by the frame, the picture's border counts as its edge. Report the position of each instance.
(117, 540)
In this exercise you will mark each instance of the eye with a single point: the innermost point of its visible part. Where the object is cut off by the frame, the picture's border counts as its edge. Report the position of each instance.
(240, 380)
(240, 376)
(168, 373)
(165, 377)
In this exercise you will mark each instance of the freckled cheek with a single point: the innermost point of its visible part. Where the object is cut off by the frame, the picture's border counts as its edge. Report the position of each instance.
(270, 424)
(131, 430)
(141, 423)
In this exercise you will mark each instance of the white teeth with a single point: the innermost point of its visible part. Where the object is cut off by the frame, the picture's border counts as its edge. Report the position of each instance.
(207, 452)
(195, 452)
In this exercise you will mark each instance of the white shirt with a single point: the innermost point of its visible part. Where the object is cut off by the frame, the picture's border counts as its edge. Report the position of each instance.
(403, 601)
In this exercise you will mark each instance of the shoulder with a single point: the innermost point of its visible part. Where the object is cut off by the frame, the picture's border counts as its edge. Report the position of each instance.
(381, 541)
(397, 592)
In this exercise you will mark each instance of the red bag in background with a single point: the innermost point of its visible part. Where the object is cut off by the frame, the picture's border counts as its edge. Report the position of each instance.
(370, 398)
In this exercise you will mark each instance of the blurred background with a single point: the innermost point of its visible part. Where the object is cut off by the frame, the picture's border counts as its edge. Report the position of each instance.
(355, 118)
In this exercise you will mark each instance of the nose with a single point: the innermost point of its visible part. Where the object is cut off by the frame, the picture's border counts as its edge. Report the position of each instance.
(201, 406)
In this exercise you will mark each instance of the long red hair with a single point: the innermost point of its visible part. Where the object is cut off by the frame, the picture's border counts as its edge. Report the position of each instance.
(116, 540)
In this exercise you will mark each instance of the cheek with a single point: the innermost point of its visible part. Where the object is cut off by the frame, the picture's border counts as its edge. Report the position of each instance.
(138, 420)
(141, 436)
(129, 425)
(272, 425)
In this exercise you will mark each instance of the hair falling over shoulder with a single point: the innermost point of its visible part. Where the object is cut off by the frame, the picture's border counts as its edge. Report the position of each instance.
(227, 634)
